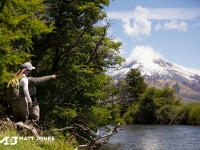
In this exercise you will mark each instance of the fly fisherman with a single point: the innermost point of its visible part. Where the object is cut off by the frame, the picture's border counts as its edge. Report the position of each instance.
(34, 110)
(23, 102)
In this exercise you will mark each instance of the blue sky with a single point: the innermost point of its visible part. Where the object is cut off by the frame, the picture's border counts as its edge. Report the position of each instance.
(170, 28)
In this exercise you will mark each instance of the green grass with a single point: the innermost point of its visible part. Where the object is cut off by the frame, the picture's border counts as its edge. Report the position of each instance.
(32, 143)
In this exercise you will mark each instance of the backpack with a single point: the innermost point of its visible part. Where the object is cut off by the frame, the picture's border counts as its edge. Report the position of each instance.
(13, 89)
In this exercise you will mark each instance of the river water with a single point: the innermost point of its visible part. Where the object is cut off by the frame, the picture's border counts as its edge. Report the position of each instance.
(155, 137)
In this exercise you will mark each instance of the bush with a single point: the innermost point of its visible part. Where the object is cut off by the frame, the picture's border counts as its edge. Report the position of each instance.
(169, 114)
(194, 117)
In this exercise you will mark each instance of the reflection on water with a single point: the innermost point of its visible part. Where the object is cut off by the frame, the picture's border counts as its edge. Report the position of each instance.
(151, 143)
(155, 137)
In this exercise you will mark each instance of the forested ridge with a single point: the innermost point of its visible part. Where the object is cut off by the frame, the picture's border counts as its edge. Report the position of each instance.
(69, 38)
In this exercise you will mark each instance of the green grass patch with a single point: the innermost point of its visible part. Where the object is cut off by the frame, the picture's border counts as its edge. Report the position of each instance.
(10, 140)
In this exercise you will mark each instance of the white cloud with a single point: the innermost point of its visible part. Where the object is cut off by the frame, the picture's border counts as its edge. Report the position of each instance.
(158, 26)
(138, 22)
(173, 13)
(158, 13)
(140, 26)
(173, 24)
(143, 54)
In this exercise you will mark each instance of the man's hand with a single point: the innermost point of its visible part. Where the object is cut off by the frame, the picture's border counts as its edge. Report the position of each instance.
(53, 76)
(30, 105)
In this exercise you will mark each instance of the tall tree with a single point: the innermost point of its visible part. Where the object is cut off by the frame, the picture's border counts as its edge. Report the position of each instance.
(19, 21)
(135, 84)
(80, 51)
(147, 106)
(77, 31)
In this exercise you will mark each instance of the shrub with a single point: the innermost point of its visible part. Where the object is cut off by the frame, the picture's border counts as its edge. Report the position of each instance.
(194, 117)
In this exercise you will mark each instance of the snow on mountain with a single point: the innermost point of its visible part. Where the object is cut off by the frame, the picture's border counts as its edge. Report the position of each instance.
(153, 66)
(161, 73)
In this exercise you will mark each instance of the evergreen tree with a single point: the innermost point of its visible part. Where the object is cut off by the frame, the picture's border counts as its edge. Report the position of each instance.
(129, 89)
(19, 21)
(147, 107)
(134, 85)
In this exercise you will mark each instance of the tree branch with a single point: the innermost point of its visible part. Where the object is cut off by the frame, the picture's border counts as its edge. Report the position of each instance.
(32, 129)
(93, 143)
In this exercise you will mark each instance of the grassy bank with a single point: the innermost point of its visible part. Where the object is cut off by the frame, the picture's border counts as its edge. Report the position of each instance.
(10, 140)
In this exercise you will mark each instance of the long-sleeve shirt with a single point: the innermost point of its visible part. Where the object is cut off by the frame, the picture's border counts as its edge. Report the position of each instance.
(24, 83)
(35, 81)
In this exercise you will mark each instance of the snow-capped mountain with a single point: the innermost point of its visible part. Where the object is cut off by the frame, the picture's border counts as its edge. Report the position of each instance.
(159, 69)
(161, 73)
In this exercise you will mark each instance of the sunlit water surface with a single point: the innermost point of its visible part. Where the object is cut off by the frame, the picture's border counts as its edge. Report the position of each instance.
(155, 137)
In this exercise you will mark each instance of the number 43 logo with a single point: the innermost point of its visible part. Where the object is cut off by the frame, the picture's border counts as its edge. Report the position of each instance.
(9, 140)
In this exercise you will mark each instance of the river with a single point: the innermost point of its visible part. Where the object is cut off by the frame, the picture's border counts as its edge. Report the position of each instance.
(155, 137)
